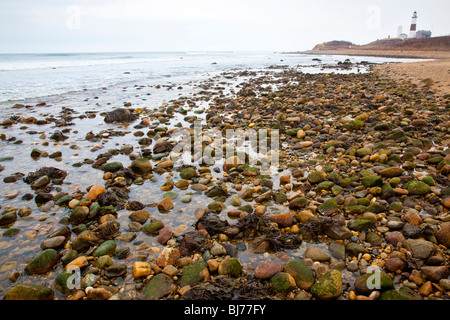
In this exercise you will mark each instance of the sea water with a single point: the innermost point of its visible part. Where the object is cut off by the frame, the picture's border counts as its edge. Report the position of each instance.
(27, 76)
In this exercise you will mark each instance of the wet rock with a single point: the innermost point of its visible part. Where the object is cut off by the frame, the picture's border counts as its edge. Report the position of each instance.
(98, 294)
(117, 270)
(164, 235)
(94, 192)
(62, 282)
(141, 166)
(141, 269)
(112, 166)
(231, 162)
(194, 273)
(140, 216)
(162, 146)
(78, 215)
(104, 262)
(283, 219)
(89, 280)
(435, 273)
(120, 115)
(43, 263)
(336, 229)
(282, 282)
(374, 239)
(134, 205)
(393, 295)
(108, 229)
(230, 266)
(298, 203)
(188, 173)
(443, 234)
(328, 207)
(165, 204)
(106, 248)
(267, 270)
(53, 243)
(8, 218)
(363, 282)
(216, 206)
(168, 257)
(29, 292)
(125, 237)
(153, 227)
(53, 173)
(337, 250)
(417, 187)
(85, 240)
(58, 136)
(394, 264)
(193, 241)
(158, 287)
(355, 249)
(186, 199)
(329, 286)
(11, 232)
(360, 224)
(317, 254)
(40, 182)
(391, 172)
(420, 249)
(217, 250)
(371, 181)
(303, 276)
(315, 177)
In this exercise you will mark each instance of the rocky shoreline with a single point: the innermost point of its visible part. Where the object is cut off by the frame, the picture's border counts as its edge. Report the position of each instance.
(362, 185)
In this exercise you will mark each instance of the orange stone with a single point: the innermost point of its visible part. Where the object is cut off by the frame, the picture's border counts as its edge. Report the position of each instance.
(95, 191)
(141, 269)
(168, 257)
(79, 262)
(165, 204)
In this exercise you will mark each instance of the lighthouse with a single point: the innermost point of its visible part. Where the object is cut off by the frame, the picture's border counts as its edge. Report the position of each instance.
(412, 29)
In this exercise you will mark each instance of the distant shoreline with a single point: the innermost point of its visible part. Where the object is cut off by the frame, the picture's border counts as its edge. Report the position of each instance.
(438, 69)
(379, 53)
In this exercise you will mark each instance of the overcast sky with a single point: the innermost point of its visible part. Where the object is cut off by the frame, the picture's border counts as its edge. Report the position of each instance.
(207, 25)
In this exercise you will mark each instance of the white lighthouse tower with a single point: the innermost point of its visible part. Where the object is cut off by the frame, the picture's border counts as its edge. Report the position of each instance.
(413, 28)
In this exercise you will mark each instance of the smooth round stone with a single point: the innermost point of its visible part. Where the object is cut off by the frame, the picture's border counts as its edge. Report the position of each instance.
(135, 226)
(186, 199)
(353, 266)
(317, 254)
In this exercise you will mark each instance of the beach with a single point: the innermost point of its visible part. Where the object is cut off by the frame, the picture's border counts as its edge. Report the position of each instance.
(438, 69)
(124, 187)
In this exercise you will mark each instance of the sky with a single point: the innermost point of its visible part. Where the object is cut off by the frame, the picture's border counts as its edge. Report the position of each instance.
(30, 26)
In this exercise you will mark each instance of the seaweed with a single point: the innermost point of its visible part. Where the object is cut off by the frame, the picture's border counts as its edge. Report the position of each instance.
(193, 241)
(276, 239)
(51, 172)
(107, 198)
(120, 115)
(226, 288)
(212, 224)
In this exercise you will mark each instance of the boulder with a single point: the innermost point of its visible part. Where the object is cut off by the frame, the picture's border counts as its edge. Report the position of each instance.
(158, 287)
(27, 292)
(329, 286)
(43, 263)
(303, 276)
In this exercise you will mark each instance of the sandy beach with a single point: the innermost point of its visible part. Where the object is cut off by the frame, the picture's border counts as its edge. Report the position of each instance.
(437, 70)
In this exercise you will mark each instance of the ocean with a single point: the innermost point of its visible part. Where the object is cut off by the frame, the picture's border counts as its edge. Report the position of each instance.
(31, 76)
